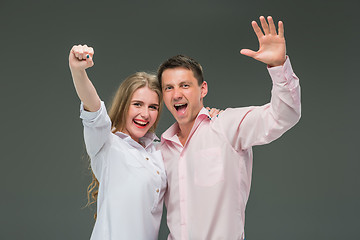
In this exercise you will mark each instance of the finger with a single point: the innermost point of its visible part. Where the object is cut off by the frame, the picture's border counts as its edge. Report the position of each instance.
(281, 29)
(74, 50)
(87, 51)
(248, 52)
(271, 25)
(80, 53)
(257, 29)
(89, 58)
(76, 54)
(91, 51)
(85, 56)
(90, 61)
(216, 112)
(219, 113)
(213, 112)
(264, 25)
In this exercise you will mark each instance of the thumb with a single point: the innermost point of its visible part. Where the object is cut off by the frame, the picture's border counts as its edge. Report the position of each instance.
(248, 52)
(89, 60)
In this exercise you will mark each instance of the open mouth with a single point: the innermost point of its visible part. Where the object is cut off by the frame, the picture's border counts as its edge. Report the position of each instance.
(180, 107)
(140, 123)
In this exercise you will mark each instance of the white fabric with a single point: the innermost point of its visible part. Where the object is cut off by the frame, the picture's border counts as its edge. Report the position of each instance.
(132, 180)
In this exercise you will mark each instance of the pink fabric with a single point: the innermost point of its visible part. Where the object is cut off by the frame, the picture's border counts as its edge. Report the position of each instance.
(209, 177)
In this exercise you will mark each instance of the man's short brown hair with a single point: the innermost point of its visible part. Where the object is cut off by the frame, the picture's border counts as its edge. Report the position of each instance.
(181, 61)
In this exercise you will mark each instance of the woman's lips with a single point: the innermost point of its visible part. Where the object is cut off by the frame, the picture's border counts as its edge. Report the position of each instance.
(140, 123)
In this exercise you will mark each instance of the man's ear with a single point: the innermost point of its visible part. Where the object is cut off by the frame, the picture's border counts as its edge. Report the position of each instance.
(204, 89)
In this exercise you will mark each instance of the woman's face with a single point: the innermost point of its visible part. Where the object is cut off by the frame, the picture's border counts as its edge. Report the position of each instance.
(142, 114)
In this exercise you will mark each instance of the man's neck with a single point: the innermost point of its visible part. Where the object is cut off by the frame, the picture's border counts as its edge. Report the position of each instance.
(184, 132)
(185, 129)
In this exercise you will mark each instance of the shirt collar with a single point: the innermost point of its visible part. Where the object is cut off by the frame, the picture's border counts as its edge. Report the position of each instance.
(171, 132)
(147, 139)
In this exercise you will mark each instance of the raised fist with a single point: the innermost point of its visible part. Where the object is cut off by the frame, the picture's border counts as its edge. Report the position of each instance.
(81, 57)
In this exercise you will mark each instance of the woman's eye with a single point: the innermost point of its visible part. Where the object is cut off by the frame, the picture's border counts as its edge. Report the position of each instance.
(154, 107)
(137, 104)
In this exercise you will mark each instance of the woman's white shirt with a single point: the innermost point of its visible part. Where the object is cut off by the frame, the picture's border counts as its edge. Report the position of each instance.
(132, 180)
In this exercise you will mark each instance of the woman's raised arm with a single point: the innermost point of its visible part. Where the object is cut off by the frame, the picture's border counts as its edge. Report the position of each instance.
(81, 58)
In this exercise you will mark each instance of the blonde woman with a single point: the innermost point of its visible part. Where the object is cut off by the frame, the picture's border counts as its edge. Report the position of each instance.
(126, 166)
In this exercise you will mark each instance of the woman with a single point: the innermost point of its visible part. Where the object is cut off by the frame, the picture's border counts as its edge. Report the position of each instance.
(123, 157)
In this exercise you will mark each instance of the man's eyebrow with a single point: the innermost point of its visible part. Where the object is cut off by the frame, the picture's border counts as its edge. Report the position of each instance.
(180, 83)
(185, 81)
(168, 84)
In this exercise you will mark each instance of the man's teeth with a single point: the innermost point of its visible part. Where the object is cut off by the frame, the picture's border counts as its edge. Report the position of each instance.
(179, 105)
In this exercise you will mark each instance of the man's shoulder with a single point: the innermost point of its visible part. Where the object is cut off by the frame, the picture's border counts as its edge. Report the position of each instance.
(234, 112)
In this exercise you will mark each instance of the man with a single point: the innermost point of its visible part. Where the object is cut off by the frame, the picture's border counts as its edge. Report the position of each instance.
(209, 162)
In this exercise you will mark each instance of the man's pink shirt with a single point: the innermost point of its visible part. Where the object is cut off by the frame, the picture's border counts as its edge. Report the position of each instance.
(209, 177)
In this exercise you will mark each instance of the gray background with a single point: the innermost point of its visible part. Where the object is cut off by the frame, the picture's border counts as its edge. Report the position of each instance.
(305, 185)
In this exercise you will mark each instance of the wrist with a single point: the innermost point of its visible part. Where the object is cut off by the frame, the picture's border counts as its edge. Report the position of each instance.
(77, 71)
(78, 74)
(278, 63)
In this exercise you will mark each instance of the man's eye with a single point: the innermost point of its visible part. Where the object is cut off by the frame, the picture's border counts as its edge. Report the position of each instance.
(167, 88)
(186, 85)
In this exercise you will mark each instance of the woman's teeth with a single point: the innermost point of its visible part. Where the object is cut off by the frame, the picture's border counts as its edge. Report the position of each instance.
(141, 123)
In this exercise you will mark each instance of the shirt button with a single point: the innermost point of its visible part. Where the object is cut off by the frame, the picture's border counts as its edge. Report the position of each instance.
(157, 190)
(158, 172)
(147, 158)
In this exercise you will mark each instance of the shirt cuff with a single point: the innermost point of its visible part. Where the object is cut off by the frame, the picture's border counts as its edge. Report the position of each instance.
(283, 75)
(90, 116)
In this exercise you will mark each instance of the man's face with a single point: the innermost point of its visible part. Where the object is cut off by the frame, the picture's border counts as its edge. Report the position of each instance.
(182, 94)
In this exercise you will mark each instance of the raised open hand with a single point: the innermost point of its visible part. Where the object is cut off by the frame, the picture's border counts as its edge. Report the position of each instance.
(272, 48)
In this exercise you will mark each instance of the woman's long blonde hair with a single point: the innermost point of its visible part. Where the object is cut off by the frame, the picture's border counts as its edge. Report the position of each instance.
(118, 111)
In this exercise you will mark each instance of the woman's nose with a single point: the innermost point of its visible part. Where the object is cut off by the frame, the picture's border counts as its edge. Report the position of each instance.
(145, 113)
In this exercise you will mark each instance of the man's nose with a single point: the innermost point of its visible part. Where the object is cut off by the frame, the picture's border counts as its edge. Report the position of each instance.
(177, 94)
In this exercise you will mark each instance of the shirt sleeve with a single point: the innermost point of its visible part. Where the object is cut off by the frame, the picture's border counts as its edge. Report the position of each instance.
(97, 129)
(250, 126)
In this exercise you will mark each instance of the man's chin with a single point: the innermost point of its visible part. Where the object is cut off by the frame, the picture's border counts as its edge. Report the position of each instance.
(181, 120)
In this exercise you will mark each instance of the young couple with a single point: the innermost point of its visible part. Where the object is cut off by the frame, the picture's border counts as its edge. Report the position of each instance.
(203, 165)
